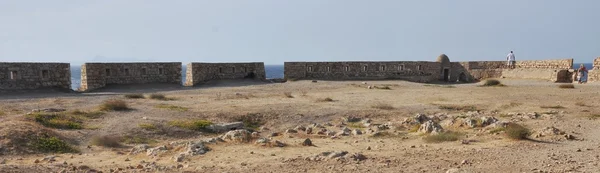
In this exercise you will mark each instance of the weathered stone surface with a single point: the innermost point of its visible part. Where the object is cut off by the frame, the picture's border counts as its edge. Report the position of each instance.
(307, 142)
(241, 135)
(156, 150)
(18, 76)
(430, 127)
(139, 149)
(226, 126)
(485, 121)
(98, 75)
(198, 73)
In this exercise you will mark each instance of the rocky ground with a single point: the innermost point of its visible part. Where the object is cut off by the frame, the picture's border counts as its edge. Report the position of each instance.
(306, 126)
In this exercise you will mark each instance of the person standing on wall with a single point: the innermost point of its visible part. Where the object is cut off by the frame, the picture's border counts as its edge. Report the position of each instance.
(511, 60)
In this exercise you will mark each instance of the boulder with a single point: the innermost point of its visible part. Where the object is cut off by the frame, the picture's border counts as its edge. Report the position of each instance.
(156, 150)
(262, 141)
(332, 155)
(241, 135)
(486, 121)
(351, 119)
(291, 131)
(309, 130)
(196, 148)
(307, 142)
(279, 144)
(470, 122)
(550, 131)
(226, 126)
(430, 127)
(356, 132)
(358, 157)
(421, 118)
(300, 128)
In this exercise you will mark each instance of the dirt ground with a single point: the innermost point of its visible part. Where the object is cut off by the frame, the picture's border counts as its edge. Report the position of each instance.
(533, 104)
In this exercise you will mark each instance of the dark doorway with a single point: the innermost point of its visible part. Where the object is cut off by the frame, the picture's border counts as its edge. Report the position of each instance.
(250, 75)
(446, 75)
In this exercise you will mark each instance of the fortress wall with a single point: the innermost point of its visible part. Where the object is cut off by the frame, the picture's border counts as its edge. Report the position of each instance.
(597, 63)
(202, 72)
(98, 75)
(15, 76)
(417, 71)
(554, 75)
(546, 64)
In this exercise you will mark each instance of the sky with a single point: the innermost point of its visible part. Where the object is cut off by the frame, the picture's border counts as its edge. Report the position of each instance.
(275, 31)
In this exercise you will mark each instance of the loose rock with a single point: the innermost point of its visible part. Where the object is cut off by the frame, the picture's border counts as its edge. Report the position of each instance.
(307, 142)
(430, 127)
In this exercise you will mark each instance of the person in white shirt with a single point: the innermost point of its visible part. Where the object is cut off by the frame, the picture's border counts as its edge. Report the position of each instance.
(511, 60)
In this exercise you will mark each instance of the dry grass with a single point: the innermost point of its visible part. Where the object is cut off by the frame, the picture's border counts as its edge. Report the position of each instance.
(114, 105)
(355, 125)
(90, 115)
(443, 137)
(106, 141)
(147, 126)
(2, 113)
(327, 99)
(288, 94)
(383, 87)
(157, 96)
(464, 108)
(516, 131)
(553, 107)
(594, 116)
(56, 120)
(171, 107)
(511, 105)
(566, 86)
(414, 128)
(383, 106)
(198, 125)
(492, 82)
(136, 140)
(303, 93)
(134, 96)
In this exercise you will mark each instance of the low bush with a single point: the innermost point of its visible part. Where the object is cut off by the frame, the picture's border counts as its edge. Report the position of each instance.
(443, 137)
(414, 128)
(90, 115)
(51, 144)
(198, 125)
(492, 82)
(383, 106)
(137, 140)
(156, 96)
(594, 116)
(516, 131)
(252, 121)
(566, 86)
(465, 108)
(356, 125)
(553, 107)
(327, 99)
(134, 96)
(56, 120)
(171, 107)
(114, 105)
(106, 141)
(582, 104)
(383, 87)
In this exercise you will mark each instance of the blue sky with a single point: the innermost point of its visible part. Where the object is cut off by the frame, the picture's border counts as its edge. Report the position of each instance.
(274, 31)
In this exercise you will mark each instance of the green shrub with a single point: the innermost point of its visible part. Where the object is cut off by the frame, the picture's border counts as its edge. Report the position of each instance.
(516, 131)
(443, 137)
(50, 144)
(566, 86)
(90, 115)
(134, 96)
(156, 96)
(383, 106)
(492, 82)
(114, 105)
(56, 120)
(198, 125)
(147, 126)
(171, 107)
(106, 141)
(356, 125)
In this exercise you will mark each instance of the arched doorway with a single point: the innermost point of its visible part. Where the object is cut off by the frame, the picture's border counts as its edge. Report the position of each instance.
(462, 77)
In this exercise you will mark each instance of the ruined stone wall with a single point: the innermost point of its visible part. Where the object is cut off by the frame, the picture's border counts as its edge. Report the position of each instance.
(552, 70)
(597, 63)
(15, 76)
(417, 71)
(202, 72)
(98, 75)
(546, 64)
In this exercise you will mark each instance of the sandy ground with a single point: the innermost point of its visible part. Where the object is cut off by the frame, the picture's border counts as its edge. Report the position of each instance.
(402, 151)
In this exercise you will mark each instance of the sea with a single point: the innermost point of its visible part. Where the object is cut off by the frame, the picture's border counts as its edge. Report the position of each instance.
(272, 72)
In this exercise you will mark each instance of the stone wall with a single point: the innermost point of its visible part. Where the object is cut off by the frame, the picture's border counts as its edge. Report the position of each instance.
(15, 76)
(417, 71)
(546, 64)
(202, 72)
(552, 70)
(597, 63)
(98, 75)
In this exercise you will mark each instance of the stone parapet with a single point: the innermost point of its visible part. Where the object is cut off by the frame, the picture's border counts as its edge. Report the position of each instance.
(98, 75)
(21, 75)
(198, 73)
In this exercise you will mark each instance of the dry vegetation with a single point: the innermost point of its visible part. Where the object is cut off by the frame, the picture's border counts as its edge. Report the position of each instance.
(114, 105)
(464, 108)
(516, 131)
(171, 107)
(134, 96)
(197, 125)
(326, 99)
(156, 96)
(252, 121)
(492, 82)
(442, 137)
(553, 107)
(383, 106)
(106, 141)
(147, 126)
(288, 94)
